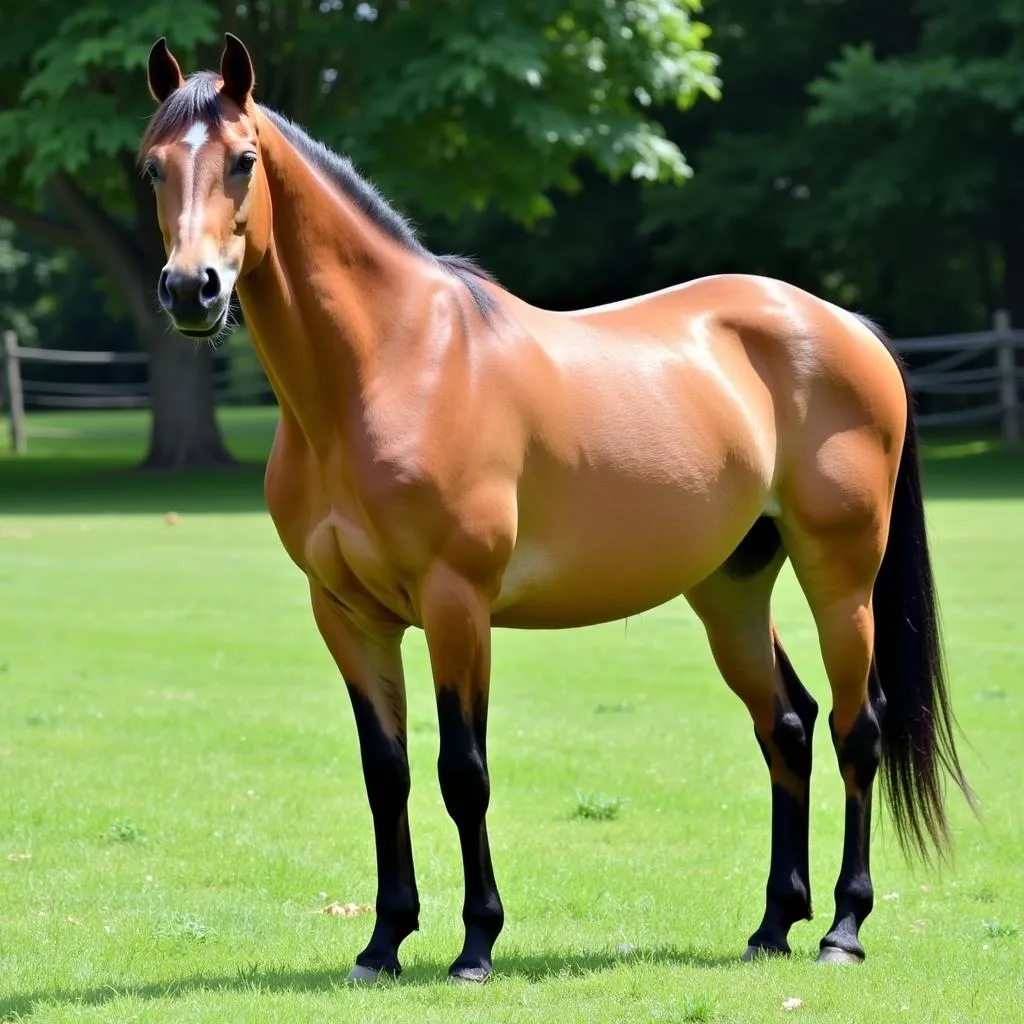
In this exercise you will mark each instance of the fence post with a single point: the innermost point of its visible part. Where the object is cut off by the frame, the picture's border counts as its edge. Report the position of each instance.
(16, 400)
(1007, 364)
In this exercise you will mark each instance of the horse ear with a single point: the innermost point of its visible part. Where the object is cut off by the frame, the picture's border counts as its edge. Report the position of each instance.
(163, 73)
(236, 70)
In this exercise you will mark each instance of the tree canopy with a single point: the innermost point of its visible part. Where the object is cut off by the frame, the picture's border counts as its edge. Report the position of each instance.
(864, 149)
(467, 103)
(870, 154)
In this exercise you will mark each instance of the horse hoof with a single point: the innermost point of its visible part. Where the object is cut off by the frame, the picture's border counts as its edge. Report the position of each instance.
(361, 975)
(469, 975)
(760, 953)
(835, 955)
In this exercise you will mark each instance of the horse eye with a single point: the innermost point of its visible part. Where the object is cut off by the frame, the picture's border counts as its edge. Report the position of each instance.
(245, 164)
(152, 172)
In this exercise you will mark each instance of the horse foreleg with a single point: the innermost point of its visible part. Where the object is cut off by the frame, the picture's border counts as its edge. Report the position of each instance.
(456, 621)
(370, 662)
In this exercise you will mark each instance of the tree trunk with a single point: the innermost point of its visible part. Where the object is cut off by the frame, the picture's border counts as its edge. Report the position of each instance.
(184, 433)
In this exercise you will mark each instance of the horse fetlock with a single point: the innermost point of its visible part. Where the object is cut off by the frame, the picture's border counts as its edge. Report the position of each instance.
(791, 898)
(856, 895)
(486, 916)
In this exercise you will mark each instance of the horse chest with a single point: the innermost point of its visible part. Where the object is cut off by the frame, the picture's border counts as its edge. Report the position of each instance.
(345, 558)
(320, 523)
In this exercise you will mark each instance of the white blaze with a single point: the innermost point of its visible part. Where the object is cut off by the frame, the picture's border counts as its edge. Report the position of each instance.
(196, 136)
(192, 214)
(190, 223)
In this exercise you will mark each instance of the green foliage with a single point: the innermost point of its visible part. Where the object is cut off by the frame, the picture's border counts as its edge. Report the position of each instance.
(597, 806)
(77, 78)
(697, 1009)
(939, 107)
(453, 103)
(497, 102)
(29, 277)
(181, 928)
(123, 830)
(926, 142)
(864, 150)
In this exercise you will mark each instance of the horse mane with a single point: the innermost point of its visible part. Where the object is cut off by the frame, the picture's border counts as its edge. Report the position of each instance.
(199, 100)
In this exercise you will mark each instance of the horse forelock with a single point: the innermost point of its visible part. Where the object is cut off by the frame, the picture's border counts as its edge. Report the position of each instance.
(195, 102)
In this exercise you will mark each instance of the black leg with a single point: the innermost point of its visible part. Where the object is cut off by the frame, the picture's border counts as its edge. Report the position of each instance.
(859, 753)
(465, 787)
(386, 773)
(787, 752)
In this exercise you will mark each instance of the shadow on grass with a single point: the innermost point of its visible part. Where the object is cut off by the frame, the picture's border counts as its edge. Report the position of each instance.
(969, 472)
(423, 974)
(56, 487)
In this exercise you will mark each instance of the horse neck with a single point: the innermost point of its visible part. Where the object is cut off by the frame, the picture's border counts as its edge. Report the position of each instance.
(318, 303)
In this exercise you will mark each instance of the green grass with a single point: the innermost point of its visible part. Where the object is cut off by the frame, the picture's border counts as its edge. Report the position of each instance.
(180, 792)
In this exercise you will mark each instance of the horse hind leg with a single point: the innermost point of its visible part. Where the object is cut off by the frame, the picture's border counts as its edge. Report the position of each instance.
(734, 606)
(836, 560)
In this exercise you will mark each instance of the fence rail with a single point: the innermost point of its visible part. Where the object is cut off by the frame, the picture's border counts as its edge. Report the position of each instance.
(241, 381)
(999, 379)
(995, 383)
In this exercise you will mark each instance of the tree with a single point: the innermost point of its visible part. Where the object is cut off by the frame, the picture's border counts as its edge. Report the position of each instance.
(761, 200)
(943, 120)
(865, 149)
(456, 103)
(72, 110)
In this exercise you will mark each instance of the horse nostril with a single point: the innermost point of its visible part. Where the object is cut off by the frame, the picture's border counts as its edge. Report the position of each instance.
(209, 290)
(163, 289)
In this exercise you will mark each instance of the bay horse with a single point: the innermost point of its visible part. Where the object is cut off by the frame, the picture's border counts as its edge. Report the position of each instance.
(452, 458)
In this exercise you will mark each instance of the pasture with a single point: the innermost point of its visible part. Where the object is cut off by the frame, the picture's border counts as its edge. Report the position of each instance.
(181, 796)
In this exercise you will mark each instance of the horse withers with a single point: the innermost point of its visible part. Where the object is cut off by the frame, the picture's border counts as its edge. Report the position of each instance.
(452, 458)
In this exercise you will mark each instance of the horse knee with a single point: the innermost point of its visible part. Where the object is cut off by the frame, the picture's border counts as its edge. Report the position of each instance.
(384, 759)
(465, 785)
(462, 764)
(387, 779)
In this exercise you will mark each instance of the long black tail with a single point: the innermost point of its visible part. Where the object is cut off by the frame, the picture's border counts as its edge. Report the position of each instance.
(917, 729)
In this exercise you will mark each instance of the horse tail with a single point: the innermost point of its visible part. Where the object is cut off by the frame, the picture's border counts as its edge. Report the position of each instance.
(918, 744)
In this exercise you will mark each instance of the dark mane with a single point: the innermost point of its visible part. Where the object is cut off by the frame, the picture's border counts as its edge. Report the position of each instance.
(199, 100)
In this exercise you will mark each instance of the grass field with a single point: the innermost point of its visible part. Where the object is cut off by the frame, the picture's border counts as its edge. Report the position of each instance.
(180, 792)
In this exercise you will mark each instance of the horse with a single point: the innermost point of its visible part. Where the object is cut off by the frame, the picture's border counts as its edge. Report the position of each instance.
(452, 458)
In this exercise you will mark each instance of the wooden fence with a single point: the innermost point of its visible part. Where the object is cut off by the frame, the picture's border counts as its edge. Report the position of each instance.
(241, 380)
(977, 374)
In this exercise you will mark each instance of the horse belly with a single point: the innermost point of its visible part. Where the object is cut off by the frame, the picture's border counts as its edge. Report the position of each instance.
(592, 562)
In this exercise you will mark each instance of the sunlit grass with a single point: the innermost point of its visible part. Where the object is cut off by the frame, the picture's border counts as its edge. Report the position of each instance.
(180, 791)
